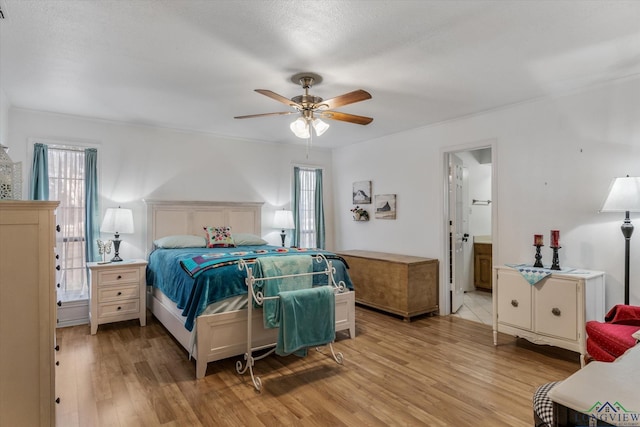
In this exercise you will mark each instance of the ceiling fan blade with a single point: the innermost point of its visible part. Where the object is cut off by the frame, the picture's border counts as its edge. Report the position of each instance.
(351, 118)
(347, 98)
(279, 98)
(250, 116)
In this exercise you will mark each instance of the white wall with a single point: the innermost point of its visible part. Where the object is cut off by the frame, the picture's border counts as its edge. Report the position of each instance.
(4, 118)
(140, 162)
(479, 189)
(554, 161)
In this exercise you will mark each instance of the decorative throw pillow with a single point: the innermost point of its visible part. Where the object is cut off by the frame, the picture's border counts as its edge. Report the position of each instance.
(219, 237)
(246, 239)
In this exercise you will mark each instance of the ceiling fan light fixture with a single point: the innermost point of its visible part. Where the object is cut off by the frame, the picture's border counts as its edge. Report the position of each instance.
(307, 104)
(319, 126)
(300, 128)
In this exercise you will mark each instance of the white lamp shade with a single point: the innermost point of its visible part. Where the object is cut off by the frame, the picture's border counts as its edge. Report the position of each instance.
(300, 128)
(320, 126)
(117, 220)
(624, 195)
(283, 219)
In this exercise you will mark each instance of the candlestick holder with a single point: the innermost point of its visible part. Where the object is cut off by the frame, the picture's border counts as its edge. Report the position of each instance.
(555, 263)
(538, 262)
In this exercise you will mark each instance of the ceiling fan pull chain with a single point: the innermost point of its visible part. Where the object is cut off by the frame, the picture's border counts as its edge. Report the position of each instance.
(309, 142)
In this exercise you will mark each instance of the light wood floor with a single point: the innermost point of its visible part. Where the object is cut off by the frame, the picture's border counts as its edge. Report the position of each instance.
(434, 371)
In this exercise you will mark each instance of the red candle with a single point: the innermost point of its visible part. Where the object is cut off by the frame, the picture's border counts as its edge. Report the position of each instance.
(555, 238)
(537, 240)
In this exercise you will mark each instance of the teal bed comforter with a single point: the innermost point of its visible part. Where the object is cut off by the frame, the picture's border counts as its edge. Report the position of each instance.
(192, 285)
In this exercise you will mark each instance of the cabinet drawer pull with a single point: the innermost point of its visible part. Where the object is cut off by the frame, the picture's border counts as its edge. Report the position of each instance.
(556, 311)
(57, 363)
(58, 228)
(57, 348)
(58, 285)
(119, 277)
(119, 308)
(514, 302)
(58, 267)
(59, 303)
(58, 400)
(119, 293)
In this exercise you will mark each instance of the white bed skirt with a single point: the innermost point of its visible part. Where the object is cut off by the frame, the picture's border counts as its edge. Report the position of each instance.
(221, 331)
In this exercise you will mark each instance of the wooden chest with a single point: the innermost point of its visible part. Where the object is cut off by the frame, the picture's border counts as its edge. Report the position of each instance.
(399, 284)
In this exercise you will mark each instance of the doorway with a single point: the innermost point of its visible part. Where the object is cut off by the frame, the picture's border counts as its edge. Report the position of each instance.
(470, 206)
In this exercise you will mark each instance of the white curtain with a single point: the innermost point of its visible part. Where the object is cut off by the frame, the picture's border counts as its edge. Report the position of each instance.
(67, 185)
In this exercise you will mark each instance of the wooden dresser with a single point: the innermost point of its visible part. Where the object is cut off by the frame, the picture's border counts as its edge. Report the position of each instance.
(27, 313)
(399, 284)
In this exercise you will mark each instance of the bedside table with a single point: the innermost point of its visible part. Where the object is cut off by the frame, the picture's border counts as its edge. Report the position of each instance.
(117, 292)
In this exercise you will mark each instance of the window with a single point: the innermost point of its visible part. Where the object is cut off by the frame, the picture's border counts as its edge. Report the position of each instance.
(67, 185)
(308, 208)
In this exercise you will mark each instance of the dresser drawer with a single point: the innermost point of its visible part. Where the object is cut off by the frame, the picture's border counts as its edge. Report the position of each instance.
(556, 308)
(514, 301)
(118, 308)
(121, 275)
(118, 293)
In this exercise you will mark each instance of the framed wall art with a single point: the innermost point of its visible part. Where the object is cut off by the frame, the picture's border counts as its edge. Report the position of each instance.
(385, 206)
(362, 193)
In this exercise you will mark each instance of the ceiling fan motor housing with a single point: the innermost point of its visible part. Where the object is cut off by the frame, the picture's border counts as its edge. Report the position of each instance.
(307, 101)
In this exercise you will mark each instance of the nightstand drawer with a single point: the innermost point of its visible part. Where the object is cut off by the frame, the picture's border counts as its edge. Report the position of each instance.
(118, 293)
(123, 275)
(118, 308)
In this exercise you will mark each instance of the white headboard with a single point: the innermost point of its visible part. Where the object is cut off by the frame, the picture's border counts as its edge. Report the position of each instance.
(172, 217)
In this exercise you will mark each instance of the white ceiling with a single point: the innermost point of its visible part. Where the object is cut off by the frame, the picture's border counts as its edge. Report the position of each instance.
(193, 64)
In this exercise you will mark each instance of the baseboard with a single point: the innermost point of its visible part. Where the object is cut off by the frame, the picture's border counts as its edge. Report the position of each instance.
(72, 313)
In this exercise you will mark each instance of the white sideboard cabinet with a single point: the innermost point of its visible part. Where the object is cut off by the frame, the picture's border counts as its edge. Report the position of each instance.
(553, 311)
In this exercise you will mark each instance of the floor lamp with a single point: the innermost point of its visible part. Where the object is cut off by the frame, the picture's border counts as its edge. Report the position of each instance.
(624, 196)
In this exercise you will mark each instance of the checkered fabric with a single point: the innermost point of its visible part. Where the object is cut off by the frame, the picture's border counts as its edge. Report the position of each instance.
(542, 405)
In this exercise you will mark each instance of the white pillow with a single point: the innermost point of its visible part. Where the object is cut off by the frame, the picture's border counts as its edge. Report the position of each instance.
(246, 239)
(180, 241)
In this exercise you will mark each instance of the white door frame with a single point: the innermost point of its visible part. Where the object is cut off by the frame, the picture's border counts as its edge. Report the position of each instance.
(445, 300)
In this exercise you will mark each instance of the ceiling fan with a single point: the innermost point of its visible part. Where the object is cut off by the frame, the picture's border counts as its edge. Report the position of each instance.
(311, 108)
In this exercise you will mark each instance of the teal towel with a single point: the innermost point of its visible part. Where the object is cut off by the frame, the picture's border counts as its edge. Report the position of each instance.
(307, 318)
(282, 266)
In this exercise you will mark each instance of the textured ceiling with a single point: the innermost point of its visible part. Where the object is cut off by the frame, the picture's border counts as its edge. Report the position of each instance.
(193, 65)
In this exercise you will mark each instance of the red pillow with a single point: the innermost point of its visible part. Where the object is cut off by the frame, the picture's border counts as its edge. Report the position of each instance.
(624, 315)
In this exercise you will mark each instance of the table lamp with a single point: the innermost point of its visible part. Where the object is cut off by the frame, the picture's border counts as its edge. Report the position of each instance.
(284, 220)
(117, 220)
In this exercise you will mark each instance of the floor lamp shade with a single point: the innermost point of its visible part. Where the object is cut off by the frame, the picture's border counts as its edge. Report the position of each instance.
(624, 196)
(117, 220)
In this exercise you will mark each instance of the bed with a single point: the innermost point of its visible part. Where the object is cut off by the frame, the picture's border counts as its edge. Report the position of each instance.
(219, 330)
